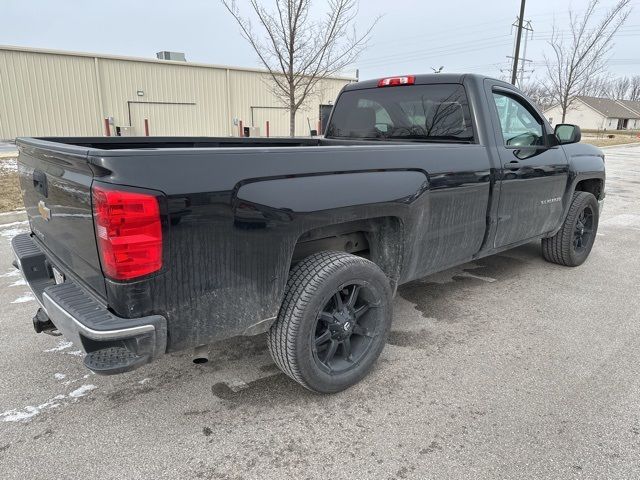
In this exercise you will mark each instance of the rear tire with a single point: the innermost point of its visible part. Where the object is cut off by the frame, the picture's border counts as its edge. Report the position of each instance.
(333, 322)
(572, 244)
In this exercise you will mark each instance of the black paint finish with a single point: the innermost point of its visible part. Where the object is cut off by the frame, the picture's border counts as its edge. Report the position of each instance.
(235, 209)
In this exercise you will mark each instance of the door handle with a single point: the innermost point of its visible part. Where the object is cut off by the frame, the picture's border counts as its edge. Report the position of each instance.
(512, 165)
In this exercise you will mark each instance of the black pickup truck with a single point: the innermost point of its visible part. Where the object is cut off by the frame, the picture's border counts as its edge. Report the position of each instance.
(143, 246)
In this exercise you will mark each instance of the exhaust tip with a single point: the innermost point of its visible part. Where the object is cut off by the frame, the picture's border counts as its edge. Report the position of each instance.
(201, 354)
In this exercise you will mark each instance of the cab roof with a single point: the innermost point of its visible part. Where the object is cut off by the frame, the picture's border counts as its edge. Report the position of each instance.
(420, 79)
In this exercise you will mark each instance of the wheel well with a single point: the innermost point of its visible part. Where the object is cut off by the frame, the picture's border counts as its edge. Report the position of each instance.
(591, 185)
(377, 239)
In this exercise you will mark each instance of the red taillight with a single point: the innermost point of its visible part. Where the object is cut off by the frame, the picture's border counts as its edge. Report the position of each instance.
(395, 81)
(128, 231)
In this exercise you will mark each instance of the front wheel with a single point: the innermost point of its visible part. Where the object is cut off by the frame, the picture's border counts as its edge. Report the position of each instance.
(572, 244)
(333, 322)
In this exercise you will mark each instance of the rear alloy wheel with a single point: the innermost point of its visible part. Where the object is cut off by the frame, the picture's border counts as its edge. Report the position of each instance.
(572, 244)
(333, 322)
(342, 337)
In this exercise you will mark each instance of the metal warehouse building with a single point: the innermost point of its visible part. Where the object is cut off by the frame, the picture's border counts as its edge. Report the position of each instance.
(45, 92)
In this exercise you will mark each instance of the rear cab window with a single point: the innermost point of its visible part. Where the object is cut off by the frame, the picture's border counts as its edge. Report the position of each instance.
(436, 112)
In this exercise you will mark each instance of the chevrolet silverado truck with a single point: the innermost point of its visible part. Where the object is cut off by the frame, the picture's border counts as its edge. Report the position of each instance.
(143, 246)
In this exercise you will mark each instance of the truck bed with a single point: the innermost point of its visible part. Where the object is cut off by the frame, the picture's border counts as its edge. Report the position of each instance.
(235, 213)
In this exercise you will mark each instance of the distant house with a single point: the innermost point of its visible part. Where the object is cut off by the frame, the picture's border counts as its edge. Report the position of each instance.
(598, 114)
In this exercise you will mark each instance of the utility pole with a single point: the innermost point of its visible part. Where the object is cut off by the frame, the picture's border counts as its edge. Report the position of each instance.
(527, 32)
(516, 56)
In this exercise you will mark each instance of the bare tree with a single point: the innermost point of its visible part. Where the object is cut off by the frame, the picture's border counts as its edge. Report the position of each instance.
(620, 88)
(600, 86)
(579, 60)
(299, 52)
(538, 94)
(634, 88)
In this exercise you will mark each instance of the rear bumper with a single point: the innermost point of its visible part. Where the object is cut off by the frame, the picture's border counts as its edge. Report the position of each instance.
(87, 322)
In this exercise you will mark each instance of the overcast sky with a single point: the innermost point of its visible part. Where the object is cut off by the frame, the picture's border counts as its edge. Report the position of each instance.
(412, 36)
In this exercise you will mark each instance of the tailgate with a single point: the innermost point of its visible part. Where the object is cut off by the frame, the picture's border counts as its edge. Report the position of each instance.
(56, 186)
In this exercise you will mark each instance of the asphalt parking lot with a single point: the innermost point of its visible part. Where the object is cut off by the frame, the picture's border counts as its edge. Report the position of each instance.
(509, 367)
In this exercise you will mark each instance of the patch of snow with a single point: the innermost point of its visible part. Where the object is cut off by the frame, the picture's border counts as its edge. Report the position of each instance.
(14, 224)
(29, 411)
(12, 232)
(76, 353)
(25, 298)
(18, 283)
(143, 381)
(11, 273)
(62, 345)
(8, 165)
(59, 376)
(6, 214)
(82, 391)
(16, 415)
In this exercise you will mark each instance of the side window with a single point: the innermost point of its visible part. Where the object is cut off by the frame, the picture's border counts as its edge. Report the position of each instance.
(519, 126)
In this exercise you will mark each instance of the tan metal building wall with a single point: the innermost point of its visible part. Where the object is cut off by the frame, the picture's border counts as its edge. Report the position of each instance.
(45, 92)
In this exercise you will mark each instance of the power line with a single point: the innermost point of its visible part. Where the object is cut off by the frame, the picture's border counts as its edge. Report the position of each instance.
(461, 47)
(469, 29)
(432, 53)
(422, 51)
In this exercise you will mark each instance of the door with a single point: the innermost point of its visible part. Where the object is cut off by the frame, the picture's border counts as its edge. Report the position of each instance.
(278, 118)
(446, 223)
(534, 170)
(622, 124)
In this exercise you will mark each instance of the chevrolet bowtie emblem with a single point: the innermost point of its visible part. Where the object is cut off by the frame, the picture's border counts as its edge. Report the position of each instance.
(45, 212)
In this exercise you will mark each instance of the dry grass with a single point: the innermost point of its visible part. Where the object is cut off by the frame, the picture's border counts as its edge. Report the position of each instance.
(600, 138)
(10, 196)
(608, 142)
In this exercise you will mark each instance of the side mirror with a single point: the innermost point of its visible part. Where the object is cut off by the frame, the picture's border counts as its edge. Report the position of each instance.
(567, 133)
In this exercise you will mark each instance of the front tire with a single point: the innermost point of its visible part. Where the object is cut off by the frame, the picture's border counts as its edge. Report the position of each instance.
(333, 322)
(572, 244)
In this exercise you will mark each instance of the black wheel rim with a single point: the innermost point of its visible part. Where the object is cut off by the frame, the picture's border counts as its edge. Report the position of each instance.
(583, 232)
(345, 329)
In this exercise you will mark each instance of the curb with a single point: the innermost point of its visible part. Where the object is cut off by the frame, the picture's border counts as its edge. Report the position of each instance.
(12, 217)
